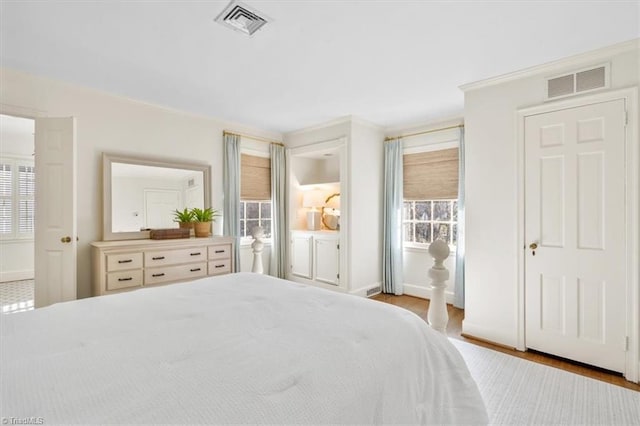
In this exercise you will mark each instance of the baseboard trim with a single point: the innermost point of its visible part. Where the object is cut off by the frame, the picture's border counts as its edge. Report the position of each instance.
(16, 276)
(478, 339)
(485, 334)
(424, 292)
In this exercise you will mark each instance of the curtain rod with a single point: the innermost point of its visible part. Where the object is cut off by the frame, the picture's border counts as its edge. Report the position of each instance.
(423, 132)
(255, 138)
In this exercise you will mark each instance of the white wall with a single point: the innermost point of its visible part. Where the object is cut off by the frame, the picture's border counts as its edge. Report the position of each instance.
(118, 125)
(491, 310)
(366, 177)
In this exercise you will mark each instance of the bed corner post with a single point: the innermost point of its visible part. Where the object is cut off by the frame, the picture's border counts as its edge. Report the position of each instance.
(437, 314)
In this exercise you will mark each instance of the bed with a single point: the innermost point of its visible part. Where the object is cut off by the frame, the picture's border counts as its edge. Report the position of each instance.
(240, 348)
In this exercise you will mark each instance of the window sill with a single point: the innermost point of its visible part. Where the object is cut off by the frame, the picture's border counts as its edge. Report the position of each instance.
(14, 240)
(246, 242)
(423, 248)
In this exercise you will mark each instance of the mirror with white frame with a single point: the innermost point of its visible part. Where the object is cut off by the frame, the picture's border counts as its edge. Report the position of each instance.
(140, 194)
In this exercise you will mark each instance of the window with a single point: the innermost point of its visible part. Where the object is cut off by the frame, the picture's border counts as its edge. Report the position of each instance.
(430, 210)
(17, 198)
(255, 194)
(427, 220)
(255, 213)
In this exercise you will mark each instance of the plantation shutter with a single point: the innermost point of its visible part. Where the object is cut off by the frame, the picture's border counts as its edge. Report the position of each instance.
(431, 175)
(6, 192)
(255, 177)
(26, 194)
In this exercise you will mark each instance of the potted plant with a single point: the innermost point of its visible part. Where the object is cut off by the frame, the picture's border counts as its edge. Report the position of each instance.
(184, 218)
(203, 219)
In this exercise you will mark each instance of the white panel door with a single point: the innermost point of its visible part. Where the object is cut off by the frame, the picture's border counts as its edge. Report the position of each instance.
(55, 212)
(301, 262)
(326, 260)
(575, 234)
(159, 206)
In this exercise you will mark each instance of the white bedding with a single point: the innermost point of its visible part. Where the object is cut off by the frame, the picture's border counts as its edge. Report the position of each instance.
(241, 348)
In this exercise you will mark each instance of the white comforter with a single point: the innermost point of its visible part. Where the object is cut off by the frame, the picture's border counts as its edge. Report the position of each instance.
(241, 348)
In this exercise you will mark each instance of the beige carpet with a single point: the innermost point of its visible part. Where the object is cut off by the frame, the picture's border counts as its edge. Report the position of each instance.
(519, 392)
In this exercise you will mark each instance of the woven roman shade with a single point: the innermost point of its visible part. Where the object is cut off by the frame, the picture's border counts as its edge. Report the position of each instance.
(255, 178)
(431, 175)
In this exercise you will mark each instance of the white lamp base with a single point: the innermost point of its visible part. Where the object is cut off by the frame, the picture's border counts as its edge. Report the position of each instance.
(314, 221)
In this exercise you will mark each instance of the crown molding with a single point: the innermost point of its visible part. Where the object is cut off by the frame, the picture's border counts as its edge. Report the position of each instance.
(554, 66)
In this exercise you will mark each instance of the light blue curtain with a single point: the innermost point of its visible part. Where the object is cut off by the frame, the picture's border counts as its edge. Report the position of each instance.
(392, 278)
(278, 211)
(458, 299)
(231, 183)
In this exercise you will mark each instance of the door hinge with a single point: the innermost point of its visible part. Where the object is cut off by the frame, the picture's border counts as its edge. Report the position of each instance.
(626, 343)
(338, 275)
(338, 246)
(626, 117)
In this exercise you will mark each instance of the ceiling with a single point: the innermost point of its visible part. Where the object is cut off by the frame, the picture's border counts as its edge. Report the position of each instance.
(389, 62)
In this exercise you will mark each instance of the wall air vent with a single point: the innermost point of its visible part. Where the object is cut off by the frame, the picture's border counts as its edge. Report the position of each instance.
(372, 291)
(240, 17)
(585, 80)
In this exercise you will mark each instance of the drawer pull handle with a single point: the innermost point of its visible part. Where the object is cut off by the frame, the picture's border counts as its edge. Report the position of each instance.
(195, 269)
(196, 254)
(219, 251)
(125, 261)
(157, 258)
(220, 266)
(158, 275)
(125, 279)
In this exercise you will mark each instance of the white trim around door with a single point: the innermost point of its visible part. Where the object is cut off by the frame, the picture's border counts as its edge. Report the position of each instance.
(632, 200)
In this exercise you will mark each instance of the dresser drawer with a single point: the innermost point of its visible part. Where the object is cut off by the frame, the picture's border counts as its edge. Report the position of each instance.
(171, 257)
(219, 267)
(175, 273)
(222, 251)
(124, 279)
(120, 262)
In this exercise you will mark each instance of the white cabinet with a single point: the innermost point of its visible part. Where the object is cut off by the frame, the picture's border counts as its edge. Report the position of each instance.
(131, 264)
(326, 258)
(315, 256)
(301, 255)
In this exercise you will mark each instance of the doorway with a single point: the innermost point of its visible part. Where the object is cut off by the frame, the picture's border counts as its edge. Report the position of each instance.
(579, 285)
(17, 205)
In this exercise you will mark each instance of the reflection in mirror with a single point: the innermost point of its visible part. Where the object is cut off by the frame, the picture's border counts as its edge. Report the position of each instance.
(141, 194)
(145, 197)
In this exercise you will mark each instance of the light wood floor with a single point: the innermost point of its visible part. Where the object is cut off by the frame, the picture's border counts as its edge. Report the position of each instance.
(454, 330)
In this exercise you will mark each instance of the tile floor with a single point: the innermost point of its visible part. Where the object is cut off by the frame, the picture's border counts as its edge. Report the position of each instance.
(16, 296)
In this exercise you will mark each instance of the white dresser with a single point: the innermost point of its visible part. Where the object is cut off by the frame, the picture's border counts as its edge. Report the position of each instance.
(131, 264)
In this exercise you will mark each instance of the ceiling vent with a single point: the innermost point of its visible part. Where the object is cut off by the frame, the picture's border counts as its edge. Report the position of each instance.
(240, 17)
(585, 80)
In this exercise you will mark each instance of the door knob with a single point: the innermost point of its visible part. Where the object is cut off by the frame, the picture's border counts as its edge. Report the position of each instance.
(65, 239)
(533, 246)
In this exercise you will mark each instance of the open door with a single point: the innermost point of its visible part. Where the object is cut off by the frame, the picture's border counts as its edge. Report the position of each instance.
(55, 211)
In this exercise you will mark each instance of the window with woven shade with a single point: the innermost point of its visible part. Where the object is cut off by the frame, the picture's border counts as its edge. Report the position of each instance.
(431, 175)
(255, 177)
(255, 194)
(430, 209)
